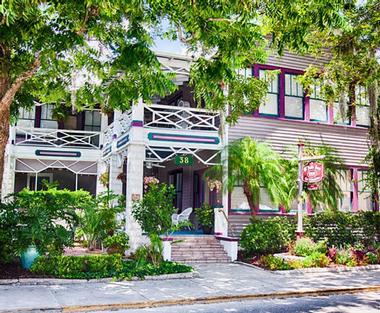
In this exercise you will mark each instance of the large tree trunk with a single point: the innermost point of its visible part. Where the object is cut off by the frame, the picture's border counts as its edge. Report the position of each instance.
(8, 91)
(253, 205)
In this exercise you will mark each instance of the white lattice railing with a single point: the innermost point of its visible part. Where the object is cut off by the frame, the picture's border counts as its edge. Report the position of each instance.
(56, 137)
(165, 116)
(118, 127)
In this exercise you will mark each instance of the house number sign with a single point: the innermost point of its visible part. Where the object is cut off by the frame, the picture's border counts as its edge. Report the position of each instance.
(184, 160)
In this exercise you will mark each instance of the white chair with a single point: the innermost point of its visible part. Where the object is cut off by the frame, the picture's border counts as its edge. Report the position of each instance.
(182, 217)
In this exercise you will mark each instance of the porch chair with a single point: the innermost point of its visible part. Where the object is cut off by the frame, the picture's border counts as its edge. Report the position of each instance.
(183, 216)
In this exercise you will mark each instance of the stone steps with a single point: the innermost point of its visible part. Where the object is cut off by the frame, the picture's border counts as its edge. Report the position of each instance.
(198, 249)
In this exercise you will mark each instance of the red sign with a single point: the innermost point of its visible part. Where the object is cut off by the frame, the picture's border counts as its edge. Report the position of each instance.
(313, 173)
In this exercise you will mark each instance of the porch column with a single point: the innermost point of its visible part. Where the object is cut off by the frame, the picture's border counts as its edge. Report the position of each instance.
(8, 185)
(135, 174)
(221, 214)
(115, 169)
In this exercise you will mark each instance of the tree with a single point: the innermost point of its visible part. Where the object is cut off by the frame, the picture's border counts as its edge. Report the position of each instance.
(254, 165)
(354, 63)
(44, 44)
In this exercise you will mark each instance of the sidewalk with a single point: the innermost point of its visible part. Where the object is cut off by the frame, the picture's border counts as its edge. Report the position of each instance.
(216, 281)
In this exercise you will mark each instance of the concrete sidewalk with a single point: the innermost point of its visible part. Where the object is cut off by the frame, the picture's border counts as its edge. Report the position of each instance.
(216, 281)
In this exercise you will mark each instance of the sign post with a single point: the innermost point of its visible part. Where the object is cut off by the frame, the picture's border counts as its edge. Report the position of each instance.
(312, 174)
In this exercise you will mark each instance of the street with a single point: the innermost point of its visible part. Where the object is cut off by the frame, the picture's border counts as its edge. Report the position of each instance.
(351, 303)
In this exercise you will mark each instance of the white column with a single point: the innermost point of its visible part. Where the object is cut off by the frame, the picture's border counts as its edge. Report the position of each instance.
(8, 184)
(221, 214)
(135, 175)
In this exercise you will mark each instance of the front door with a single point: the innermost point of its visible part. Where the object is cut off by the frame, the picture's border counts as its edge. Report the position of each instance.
(175, 179)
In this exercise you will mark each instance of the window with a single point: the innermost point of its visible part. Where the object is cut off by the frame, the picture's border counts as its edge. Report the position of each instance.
(362, 107)
(271, 102)
(47, 120)
(26, 117)
(340, 113)
(293, 97)
(365, 196)
(92, 120)
(345, 182)
(318, 106)
(175, 179)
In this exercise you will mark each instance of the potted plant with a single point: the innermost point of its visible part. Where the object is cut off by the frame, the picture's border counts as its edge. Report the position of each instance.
(205, 215)
(116, 243)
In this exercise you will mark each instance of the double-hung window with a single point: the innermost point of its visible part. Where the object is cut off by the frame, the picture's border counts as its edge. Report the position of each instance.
(47, 120)
(92, 120)
(318, 106)
(362, 107)
(270, 107)
(294, 97)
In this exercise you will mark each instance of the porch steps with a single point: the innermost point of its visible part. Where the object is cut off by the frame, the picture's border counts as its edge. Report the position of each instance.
(238, 223)
(198, 249)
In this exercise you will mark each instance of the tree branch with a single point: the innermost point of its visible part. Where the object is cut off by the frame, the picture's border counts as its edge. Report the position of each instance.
(11, 92)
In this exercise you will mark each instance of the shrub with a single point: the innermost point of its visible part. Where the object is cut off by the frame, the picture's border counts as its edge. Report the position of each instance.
(267, 236)
(86, 266)
(154, 211)
(341, 229)
(205, 215)
(98, 219)
(117, 243)
(304, 246)
(344, 257)
(47, 218)
(10, 244)
(372, 258)
(273, 263)
(316, 259)
(100, 266)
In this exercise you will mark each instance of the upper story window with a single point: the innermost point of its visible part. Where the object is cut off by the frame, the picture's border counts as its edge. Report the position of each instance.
(47, 120)
(92, 120)
(340, 113)
(318, 106)
(271, 102)
(26, 117)
(362, 107)
(294, 97)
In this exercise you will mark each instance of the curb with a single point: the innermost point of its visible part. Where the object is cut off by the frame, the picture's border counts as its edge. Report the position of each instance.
(317, 270)
(58, 281)
(218, 299)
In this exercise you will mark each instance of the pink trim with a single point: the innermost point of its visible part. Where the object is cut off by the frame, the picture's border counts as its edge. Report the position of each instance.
(355, 193)
(330, 114)
(306, 108)
(167, 239)
(227, 238)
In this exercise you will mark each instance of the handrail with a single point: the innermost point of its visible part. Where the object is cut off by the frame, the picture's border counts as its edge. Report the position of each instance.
(171, 107)
(228, 224)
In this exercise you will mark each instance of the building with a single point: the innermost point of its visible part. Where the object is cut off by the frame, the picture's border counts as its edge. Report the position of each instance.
(175, 141)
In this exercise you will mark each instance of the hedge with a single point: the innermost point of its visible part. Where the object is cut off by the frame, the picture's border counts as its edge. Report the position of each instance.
(101, 266)
(340, 229)
(270, 235)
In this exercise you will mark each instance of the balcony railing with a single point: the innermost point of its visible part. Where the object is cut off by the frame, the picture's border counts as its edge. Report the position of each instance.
(118, 127)
(60, 138)
(165, 116)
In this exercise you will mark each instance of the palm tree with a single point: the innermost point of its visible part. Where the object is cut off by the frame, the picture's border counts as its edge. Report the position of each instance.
(254, 165)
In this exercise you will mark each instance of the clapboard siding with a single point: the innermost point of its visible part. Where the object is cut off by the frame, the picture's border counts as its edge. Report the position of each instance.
(283, 135)
(297, 62)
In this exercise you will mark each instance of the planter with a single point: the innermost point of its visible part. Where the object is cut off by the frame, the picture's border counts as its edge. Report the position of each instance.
(28, 257)
(207, 230)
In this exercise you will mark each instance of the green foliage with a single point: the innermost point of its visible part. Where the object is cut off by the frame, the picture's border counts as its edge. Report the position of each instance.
(274, 263)
(316, 259)
(306, 246)
(153, 212)
(151, 253)
(372, 258)
(341, 229)
(117, 243)
(205, 215)
(101, 266)
(254, 165)
(101, 218)
(48, 218)
(10, 245)
(344, 257)
(267, 236)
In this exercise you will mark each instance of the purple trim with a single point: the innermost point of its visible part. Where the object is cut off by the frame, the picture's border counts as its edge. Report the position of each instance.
(330, 114)
(225, 238)
(218, 233)
(281, 100)
(37, 116)
(355, 193)
(167, 239)
(306, 107)
(137, 123)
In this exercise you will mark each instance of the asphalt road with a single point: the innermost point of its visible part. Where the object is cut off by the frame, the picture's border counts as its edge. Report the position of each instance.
(363, 303)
